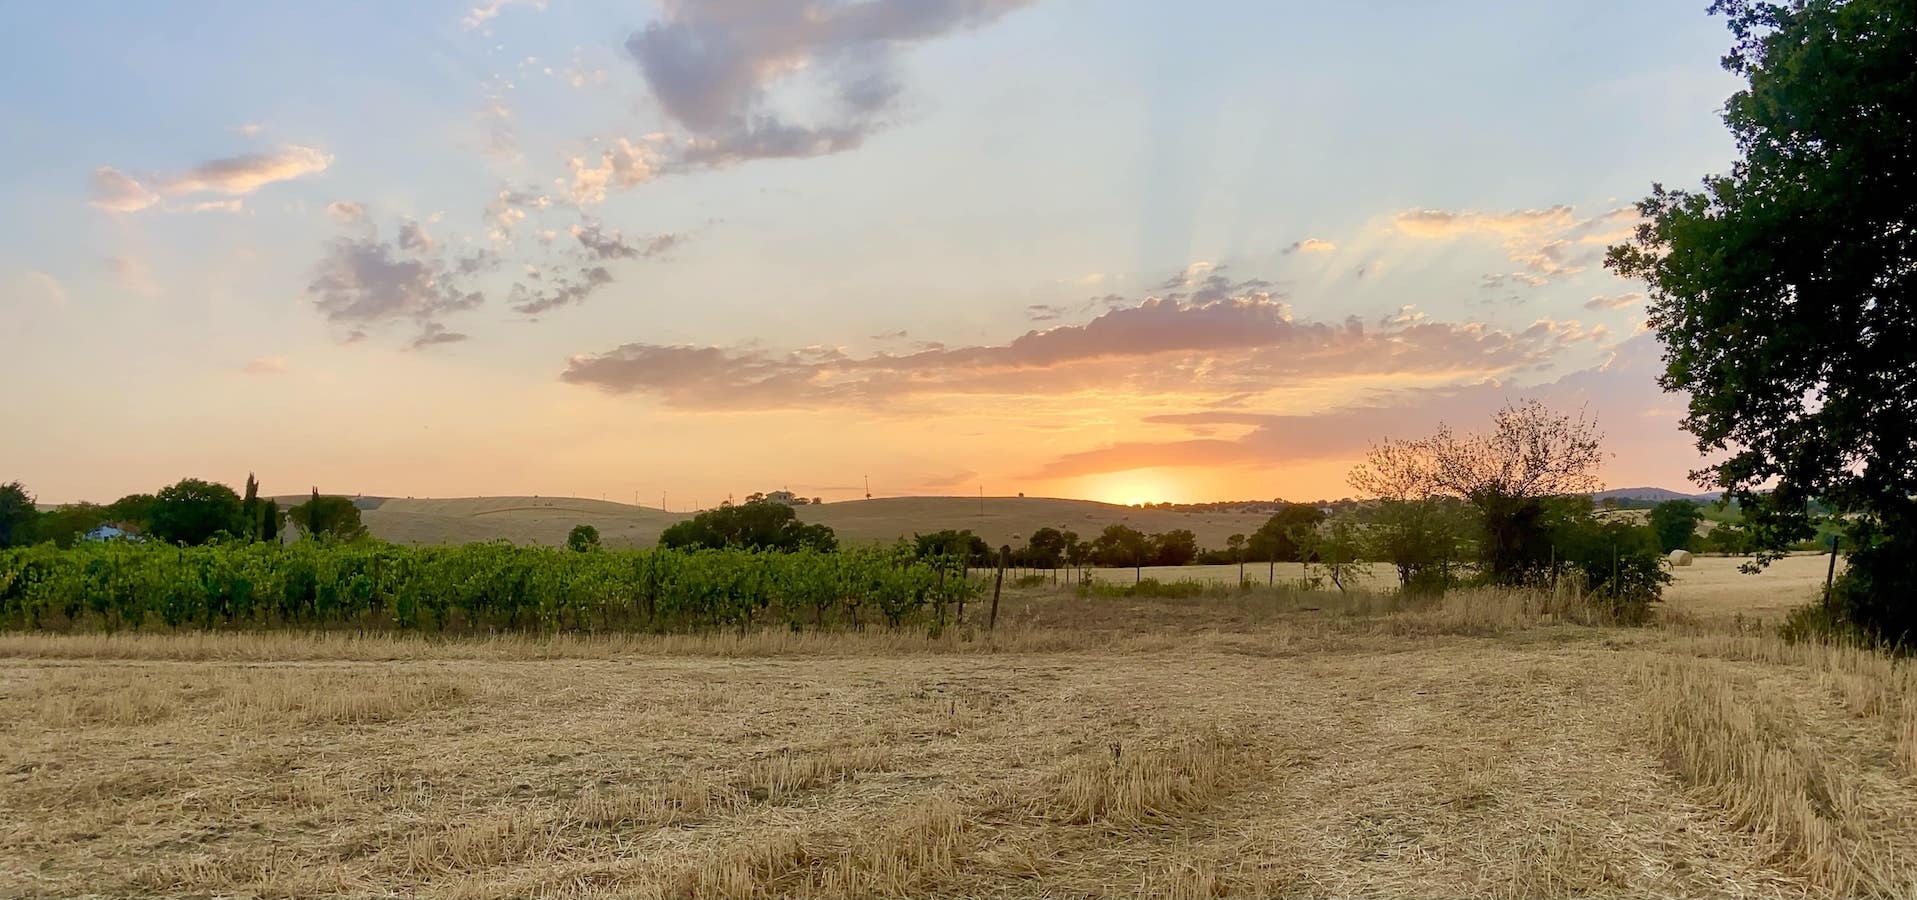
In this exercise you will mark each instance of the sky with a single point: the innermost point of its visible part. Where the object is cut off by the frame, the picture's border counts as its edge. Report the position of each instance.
(684, 250)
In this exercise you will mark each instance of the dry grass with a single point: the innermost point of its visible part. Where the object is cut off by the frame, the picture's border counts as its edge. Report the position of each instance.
(1259, 745)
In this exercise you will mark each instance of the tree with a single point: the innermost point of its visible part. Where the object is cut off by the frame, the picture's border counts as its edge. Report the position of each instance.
(1277, 540)
(1177, 547)
(1530, 453)
(1077, 552)
(1674, 522)
(17, 515)
(1122, 545)
(1045, 549)
(194, 512)
(66, 524)
(250, 507)
(329, 517)
(1337, 546)
(960, 548)
(1618, 561)
(1236, 546)
(133, 509)
(582, 539)
(755, 525)
(1785, 292)
(1426, 540)
(270, 521)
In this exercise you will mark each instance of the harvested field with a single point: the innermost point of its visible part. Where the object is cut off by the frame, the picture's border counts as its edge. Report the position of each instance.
(1212, 747)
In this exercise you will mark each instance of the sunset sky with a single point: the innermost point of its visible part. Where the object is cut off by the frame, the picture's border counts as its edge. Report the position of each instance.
(1115, 250)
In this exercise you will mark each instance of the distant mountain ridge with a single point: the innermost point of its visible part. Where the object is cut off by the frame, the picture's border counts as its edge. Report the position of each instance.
(1655, 494)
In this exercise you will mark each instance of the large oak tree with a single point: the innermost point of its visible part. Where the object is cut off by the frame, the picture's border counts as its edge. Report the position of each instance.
(1785, 290)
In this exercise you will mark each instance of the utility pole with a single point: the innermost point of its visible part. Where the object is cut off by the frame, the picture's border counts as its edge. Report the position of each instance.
(868, 487)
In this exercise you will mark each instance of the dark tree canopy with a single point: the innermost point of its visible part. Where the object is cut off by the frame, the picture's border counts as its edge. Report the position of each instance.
(1045, 549)
(1176, 547)
(330, 517)
(755, 525)
(17, 515)
(1121, 545)
(1785, 291)
(194, 511)
(582, 539)
(1278, 540)
(1675, 522)
(963, 546)
(132, 509)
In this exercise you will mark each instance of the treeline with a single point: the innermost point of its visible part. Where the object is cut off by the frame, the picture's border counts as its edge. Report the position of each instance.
(473, 588)
(1121, 546)
(189, 512)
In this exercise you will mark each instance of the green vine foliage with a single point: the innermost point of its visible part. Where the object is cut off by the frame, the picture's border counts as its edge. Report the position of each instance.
(476, 588)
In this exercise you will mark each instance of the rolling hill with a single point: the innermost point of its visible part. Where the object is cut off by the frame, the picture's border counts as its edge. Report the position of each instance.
(545, 520)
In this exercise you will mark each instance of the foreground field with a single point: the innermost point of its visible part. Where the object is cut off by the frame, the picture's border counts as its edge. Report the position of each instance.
(1246, 746)
(1713, 587)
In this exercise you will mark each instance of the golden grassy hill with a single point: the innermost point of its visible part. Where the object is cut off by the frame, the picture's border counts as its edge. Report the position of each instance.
(997, 519)
(545, 520)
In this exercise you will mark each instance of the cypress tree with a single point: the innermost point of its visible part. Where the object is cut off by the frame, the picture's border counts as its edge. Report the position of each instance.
(250, 508)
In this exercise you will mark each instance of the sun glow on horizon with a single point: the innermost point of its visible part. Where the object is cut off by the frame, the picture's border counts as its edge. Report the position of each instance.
(1135, 488)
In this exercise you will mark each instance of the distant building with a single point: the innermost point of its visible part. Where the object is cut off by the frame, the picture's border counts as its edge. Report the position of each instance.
(110, 533)
(786, 497)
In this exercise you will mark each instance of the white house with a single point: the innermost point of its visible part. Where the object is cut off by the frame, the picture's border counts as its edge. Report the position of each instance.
(109, 533)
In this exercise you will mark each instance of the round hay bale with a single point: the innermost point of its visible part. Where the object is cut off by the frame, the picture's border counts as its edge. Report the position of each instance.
(1682, 558)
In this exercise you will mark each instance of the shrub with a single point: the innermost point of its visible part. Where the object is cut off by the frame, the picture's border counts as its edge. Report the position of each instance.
(582, 538)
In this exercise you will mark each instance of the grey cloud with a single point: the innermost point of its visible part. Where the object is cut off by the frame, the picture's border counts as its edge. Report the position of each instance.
(561, 292)
(414, 238)
(364, 281)
(711, 63)
(600, 243)
(433, 333)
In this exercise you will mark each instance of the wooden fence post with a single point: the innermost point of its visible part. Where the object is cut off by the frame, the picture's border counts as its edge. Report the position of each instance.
(1004, 554)
(1830, 572)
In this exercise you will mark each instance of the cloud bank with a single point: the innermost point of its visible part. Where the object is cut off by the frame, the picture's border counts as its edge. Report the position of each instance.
(1201, 345)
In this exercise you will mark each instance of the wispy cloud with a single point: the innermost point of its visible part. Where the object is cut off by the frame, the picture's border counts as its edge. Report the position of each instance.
(1550, 243)
(132, 275)
(1614, 301)
(265, 365)
(234, 176)
(486, 12)
(1310, 245)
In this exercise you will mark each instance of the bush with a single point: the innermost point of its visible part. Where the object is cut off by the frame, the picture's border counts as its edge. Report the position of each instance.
(754, 525)
(1617, 562)
(1873, 596)
(582, 538)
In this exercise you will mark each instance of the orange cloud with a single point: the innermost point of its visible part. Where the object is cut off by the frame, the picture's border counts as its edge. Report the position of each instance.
(1247, 344)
